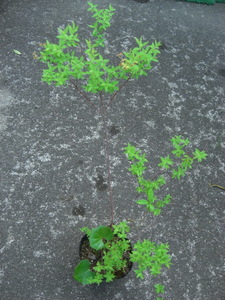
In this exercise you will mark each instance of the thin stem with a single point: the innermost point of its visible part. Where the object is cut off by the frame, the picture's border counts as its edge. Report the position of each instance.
(83, 52)
(86, 98)
(103, 113)
(101, 101)
(116, 92)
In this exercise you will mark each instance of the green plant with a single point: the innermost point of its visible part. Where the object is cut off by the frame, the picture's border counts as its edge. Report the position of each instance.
(72, 60)
(114, 246)
(149, 187)
(81, 65)
(159, 289)
(112, 242)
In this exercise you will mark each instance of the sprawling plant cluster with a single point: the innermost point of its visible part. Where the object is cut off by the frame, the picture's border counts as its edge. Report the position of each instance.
(179, 167)
(82, 65)
(113, 242)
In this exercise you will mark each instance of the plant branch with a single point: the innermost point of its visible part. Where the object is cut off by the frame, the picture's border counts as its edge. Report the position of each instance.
(103, 112)
(116, 92)
(86, 98)
(101, 102)
(83, 53)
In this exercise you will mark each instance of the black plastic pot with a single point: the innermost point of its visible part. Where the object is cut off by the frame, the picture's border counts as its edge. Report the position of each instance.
(86, 252)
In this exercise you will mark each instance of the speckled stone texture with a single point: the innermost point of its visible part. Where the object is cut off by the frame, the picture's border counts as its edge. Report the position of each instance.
(53, 169)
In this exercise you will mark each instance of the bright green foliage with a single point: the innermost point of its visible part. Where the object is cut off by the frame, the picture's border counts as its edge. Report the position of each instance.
(159, 288)
(82, 273)
(113, 254)
(186, 161)
(121, 230)
(103, 18)
(178, 173)
(199, 155)
(146, 254)
(149, 255)
(165, 162)
(86, 230)
(113, 244)
(148, 187)
(139, 58)
(69, 61)
(98, 235)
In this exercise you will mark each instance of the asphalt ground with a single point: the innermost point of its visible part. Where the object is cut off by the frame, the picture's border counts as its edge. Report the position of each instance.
(53, 168)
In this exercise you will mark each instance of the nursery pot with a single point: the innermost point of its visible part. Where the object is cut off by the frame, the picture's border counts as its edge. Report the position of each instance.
(86, 252)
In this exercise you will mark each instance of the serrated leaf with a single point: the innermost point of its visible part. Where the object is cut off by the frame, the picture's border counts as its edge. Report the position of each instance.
(199, 155)
(166, 162)
(178, 173)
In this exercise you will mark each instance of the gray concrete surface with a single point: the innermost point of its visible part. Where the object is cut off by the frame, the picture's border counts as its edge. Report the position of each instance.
(51, 151)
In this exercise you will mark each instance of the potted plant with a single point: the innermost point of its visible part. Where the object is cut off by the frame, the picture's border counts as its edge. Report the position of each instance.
(106, 252)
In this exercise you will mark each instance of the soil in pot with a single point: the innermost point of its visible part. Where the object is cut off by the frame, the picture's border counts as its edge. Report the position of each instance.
(86, 252)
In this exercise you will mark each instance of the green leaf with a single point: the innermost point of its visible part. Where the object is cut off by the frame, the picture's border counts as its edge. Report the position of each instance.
(151, 195)
(142, 202)
(109, 277)
(199, 155)
(82, 272)
(178, 173)
(160, 204)
(17, 52)
(176, 140)
(166, 162)
(111, 8)
(186, 162)
(98, 268)
(137, 169)
(156, 269)
(159, 288)
(161, 180)
(166, 200)
(157, 211)
(131, 152)
(178, 152)
(86, 230)
(98, 235)
(151, 207)
(139, 274)
(121, 229)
